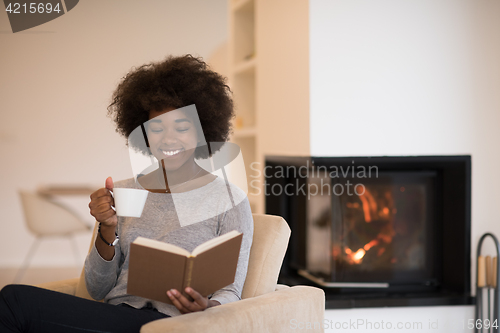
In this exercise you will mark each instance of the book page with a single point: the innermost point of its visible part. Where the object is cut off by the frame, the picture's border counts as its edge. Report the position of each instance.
(161, 246)
(214, 242)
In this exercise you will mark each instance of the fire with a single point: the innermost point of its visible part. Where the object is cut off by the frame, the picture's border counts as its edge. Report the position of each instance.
(371, 244)
(357, 257)
(369, 205)
(375, 205)
(366, 209)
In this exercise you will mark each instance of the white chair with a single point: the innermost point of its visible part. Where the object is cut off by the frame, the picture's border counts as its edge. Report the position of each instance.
(46, 218)
(265, 306)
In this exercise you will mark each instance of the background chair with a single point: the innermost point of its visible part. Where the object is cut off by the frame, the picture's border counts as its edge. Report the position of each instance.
(265, 306)
(46, 218)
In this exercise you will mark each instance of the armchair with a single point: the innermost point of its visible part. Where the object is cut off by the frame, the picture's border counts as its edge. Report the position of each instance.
(265, 306)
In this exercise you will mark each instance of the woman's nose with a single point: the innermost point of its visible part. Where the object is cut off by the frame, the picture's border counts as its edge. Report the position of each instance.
(169, 137)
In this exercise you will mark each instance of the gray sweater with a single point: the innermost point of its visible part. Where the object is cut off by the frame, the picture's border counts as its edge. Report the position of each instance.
(184, 219)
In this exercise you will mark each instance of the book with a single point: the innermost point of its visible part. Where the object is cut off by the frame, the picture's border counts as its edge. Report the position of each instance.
(155, 267)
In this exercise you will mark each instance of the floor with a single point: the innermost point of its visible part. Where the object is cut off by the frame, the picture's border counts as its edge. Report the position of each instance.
(36, 275)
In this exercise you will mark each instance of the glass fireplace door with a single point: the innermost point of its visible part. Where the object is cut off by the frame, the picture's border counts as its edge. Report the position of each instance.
(377, 229)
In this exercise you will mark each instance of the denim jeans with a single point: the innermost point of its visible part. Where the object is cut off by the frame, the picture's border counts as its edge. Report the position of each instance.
(30, 309)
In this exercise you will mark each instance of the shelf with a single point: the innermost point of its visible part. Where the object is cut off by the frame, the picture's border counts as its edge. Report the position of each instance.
(242, 26)
(246, 66)
(243, 5)
(243, 86)
(242, 79)
(245, 132)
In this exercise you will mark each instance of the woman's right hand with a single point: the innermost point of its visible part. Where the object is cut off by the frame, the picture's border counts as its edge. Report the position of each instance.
(101, 203)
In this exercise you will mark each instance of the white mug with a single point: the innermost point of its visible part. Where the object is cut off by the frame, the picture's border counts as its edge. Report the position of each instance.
(129, 202)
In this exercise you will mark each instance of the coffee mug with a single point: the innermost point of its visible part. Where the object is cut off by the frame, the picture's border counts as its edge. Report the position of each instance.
(129, 202)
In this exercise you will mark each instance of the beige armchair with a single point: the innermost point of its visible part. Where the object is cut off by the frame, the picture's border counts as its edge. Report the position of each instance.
(265, 306)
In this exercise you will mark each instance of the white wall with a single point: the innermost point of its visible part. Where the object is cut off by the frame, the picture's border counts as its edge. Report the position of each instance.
(413, 77)
(56, 82)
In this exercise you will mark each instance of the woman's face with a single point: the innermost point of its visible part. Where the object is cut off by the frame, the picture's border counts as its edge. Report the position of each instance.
(172, 137)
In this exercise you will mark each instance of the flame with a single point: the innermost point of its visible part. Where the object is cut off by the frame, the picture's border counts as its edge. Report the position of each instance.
(366, 209)
(358, 255)
(385, 211)
(371, 244)
(376, 205)
(369, 205)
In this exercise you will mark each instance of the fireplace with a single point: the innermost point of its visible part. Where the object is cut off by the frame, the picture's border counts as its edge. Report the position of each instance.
(375, 231)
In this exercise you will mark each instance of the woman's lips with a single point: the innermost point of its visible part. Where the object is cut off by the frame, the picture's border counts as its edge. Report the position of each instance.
(171, 153)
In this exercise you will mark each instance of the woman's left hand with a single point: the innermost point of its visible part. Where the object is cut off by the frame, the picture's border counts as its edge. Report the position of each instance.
(184, 305)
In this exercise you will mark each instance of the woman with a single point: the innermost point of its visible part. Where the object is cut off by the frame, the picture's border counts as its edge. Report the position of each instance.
(186, 205)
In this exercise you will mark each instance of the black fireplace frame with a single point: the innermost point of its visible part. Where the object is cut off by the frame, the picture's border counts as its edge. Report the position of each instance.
(455, 250)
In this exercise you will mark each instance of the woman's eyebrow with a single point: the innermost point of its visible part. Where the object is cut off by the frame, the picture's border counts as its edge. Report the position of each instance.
(177, 120)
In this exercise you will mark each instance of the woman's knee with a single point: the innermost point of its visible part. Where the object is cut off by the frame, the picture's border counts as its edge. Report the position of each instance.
(9, 308)
(12, 290)
(15, 295)
(8, 291)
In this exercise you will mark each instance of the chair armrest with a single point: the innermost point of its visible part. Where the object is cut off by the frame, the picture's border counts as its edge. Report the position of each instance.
(276, 311)
(281, 286)
(63, 286)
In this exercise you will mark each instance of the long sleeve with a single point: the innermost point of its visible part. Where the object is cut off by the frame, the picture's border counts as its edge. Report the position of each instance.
(212, 214)
(239, 218)
(100, 274)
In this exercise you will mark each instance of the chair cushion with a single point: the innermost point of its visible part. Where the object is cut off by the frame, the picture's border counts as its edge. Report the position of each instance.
(270, 241)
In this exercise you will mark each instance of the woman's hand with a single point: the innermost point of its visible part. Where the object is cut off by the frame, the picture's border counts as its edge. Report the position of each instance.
(100, 205)
(184, 305)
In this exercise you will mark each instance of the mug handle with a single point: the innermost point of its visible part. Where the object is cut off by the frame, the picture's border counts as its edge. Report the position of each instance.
(111, 192)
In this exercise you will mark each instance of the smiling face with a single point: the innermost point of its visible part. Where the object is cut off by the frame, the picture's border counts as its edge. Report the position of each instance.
(172, 138)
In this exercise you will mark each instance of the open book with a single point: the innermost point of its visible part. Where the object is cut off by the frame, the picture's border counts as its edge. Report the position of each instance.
(156, 267)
